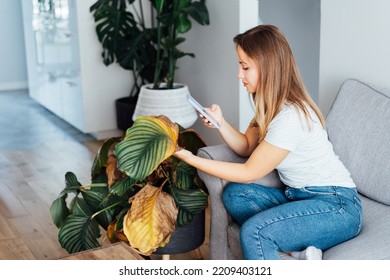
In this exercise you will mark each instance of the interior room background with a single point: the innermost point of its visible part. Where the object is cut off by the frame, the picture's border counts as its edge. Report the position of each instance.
(332, 40)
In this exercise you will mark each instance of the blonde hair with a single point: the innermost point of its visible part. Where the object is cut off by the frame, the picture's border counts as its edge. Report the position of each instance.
(279, 79)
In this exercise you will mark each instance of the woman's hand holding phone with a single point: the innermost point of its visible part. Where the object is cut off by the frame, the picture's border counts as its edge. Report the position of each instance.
(210, 116)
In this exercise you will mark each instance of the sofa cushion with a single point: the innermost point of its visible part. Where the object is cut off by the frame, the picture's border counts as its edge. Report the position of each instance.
(234, 240)
(373, 241)
(358, 125)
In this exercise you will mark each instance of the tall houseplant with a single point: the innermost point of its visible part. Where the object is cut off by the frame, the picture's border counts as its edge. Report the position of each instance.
(173, 18)
(139, 193)
(146, 43)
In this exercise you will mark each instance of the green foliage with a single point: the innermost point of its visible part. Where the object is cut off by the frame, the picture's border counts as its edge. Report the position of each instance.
(149, 49)
(80, 211)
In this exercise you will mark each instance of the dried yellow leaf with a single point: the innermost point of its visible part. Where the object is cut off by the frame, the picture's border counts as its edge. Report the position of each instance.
(151, 219)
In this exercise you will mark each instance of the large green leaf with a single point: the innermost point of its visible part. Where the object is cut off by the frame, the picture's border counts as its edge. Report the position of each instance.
(185, 175)
(72, 185)
(148, 142)
(71, 180)
(113, 28)
(132, 55)
(59, 211)
(183, 24)
(123, 186)
(79, 232)
(198, 11)
(192, 200)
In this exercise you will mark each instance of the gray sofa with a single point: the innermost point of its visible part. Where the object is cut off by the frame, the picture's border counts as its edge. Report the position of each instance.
(358, 125)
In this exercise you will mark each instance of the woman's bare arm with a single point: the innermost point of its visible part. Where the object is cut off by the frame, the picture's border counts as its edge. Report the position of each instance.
(263, 160)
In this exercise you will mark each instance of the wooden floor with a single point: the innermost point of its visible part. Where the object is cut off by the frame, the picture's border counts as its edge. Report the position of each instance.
(31, 178)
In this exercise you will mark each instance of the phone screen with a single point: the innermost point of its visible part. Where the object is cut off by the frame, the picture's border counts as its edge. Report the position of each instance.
(201, 110)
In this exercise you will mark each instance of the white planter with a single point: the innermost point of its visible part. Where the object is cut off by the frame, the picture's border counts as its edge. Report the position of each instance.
(169, 102)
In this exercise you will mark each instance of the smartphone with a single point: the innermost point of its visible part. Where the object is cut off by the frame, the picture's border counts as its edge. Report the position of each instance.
(201, 110)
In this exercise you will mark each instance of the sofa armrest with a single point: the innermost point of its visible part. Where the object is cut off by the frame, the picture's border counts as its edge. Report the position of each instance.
(220, 219)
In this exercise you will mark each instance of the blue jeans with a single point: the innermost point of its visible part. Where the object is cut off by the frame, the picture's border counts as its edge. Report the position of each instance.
(274, 220)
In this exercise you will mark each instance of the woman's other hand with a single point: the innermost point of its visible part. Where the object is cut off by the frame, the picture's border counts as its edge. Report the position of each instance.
(183, 154)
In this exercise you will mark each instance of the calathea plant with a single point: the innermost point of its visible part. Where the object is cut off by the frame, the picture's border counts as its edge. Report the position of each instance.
(139, 193)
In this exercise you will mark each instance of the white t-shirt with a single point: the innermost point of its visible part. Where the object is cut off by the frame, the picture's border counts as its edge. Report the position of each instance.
(311, 160)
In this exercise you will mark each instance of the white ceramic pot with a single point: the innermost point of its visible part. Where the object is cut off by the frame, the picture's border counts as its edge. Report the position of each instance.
(169, 102)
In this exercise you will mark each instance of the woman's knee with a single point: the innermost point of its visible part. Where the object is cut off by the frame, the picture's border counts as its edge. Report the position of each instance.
(229, 194)
(257, 242)
(231, 190)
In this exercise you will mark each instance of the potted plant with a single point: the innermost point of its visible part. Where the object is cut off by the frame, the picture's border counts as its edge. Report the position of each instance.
(139, 193)
(149, 48)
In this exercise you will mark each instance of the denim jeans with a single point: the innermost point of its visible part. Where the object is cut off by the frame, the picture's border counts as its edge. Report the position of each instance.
(274, 220)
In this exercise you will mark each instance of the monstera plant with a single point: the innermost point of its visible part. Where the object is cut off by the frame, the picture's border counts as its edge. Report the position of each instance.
(139, 193)
(145, 36)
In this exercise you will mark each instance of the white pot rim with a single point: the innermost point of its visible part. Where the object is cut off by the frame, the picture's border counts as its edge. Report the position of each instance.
(175, 86)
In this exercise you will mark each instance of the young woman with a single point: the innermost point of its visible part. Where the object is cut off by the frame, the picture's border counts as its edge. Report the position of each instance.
(319, 207)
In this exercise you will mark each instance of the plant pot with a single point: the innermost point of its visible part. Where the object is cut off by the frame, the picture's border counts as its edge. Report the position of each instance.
(125, 107)
(186, 238)
(169, 102)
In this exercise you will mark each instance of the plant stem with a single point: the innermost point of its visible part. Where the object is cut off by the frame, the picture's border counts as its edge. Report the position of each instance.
(157, 69)
(135, 87)
(162, 185)
(105, 209)
(152, 13)
(94, 185)
(171, 59)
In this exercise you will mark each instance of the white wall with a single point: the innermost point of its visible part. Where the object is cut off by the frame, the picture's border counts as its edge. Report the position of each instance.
(105, 83)
(212, 75)
(300, 21)
(13, 73)
(355, 43)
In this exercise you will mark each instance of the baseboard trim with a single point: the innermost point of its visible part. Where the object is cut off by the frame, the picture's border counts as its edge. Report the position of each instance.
(102, 135)
(14, 86)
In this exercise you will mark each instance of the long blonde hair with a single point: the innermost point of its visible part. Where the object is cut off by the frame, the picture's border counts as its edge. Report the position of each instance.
(279, 79)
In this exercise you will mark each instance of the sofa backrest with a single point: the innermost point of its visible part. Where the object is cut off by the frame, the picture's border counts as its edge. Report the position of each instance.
(358, 125)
